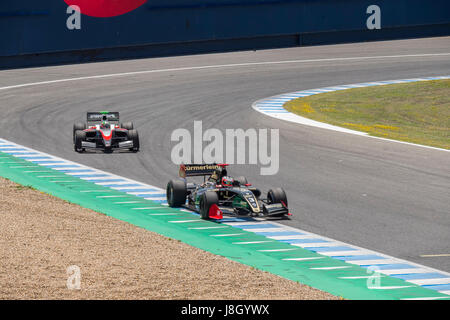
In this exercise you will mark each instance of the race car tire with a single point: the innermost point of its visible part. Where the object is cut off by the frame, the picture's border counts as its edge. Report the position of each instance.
(206, 201)
(133, 135)
(127, 125)
(277, 195)
(242, 180)
(80, 136)
(176, 193)
(78, 126)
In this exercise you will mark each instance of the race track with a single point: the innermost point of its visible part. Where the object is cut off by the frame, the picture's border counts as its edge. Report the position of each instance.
(380, 195)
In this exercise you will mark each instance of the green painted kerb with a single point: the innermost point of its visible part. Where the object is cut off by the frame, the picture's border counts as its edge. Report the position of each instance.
(243, 247)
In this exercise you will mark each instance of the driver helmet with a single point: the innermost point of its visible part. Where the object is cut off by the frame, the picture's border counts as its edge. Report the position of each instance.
(227, 181)
(105, 123)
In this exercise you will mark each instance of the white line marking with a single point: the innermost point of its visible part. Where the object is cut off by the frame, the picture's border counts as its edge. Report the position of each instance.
(330, 268)
(357, 277)
(233, 65)
(426, 298)
(435, 255)
(390, 288)
(303, 259)
(19, 167)
(124, 196)
(124, 202)
(35, 171)
(317, 244)
(204, 228)
(391, 272)
(48, 176)
(227, 235)
(185, 221)
(251, 242)
(422, 282)
(260, 230)
(373, 262)
(345, 253)
(292, 237)
(149, 208)
(124, 186)
(99, 178)
(112, 183)
(277, 250)
(144, 192)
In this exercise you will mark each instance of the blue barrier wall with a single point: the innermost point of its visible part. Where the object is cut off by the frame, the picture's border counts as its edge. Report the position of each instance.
(39, 28)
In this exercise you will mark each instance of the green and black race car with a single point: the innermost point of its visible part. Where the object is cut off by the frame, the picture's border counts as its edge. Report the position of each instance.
(220, 194)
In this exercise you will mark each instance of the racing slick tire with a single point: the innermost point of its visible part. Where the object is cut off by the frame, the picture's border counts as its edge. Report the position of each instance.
(176, 193)
(242, 180)
(127, 125)
(206, 201)
(277, 195)
(80, 136)
(78, 126)
(133, 135)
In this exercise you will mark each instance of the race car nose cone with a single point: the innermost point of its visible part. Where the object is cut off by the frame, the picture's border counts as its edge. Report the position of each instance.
(105, 8)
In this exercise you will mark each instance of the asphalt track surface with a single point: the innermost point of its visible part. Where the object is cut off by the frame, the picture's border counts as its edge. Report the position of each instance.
(380, 195)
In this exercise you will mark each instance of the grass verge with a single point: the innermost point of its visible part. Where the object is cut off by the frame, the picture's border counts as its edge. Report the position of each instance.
(416, 112)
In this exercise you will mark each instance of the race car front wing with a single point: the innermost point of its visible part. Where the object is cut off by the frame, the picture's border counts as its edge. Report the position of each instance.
(121, 145)
(275, 209)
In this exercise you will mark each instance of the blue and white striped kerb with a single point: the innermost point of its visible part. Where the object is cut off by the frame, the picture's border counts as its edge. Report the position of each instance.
(273, 106)
(85, 173)
(385, 265)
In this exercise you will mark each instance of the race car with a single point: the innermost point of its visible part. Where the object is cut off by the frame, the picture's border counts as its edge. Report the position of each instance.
(103, 131)
(220, 194)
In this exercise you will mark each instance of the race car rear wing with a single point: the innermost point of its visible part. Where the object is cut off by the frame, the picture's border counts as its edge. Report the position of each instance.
(100, 115)
(193, 170)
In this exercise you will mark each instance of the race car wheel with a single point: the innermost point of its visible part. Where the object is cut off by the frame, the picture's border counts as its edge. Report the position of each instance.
(242, 180)
(78, 126)
(133, 135)
(176, 193)
(127, 125)
(277, 195)
(80, 136)
(206, 201)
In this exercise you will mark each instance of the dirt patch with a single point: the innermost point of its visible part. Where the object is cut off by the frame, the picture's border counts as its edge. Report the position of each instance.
(41, 236)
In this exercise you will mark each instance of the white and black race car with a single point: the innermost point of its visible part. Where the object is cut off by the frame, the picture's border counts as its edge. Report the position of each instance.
(103, 131)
